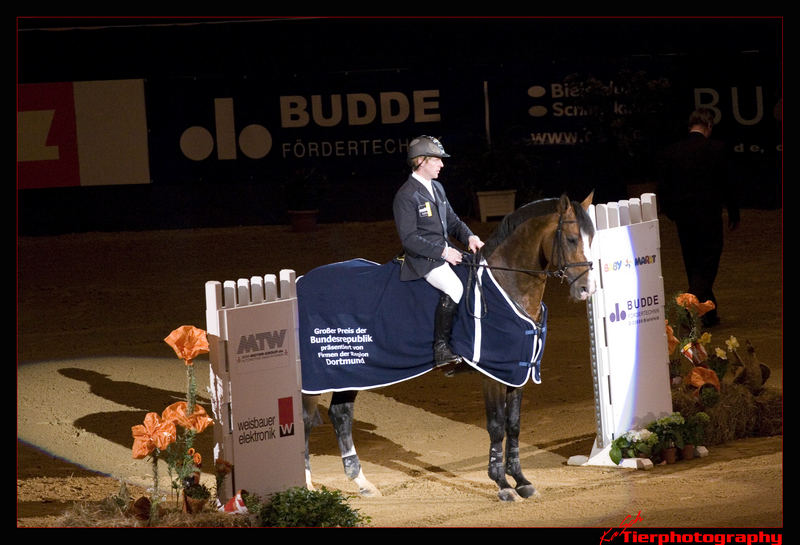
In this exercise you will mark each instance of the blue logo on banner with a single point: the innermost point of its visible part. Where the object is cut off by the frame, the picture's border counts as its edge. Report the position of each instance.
(617, 315)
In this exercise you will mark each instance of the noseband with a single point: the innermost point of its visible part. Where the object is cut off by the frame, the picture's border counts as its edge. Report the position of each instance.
(561, 272)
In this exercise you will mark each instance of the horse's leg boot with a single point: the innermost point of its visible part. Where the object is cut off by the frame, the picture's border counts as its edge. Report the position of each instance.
(443, 326)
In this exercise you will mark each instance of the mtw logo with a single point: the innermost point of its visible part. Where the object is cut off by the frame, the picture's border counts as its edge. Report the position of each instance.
(256, 342)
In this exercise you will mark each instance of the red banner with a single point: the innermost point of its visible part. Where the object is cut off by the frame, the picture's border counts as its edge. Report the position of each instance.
(47, 144)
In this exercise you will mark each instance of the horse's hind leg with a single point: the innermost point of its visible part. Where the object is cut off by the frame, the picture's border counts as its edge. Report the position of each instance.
(341, 415)
(513, 467)
(311, 418)
(494, 396)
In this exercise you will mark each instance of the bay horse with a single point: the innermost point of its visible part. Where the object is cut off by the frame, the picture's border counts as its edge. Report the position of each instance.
(549, 237)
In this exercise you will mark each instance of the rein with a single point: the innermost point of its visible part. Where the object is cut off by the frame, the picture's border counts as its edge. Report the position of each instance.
(560, 272)
(557, 273)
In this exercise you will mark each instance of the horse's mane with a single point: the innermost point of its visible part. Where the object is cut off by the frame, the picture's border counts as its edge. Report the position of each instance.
(533, 209)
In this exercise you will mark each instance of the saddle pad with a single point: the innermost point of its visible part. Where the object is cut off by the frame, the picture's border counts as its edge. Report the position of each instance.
(361, 327)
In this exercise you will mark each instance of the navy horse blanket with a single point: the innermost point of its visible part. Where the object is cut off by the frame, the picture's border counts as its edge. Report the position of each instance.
(361, 327)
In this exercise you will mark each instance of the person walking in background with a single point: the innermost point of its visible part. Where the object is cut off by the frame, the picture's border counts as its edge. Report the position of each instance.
(695, 184)
(425, 222)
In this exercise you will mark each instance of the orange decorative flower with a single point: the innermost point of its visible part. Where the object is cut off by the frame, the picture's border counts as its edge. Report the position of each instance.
(672, 340)
(700, 376)
(188, 342)
(222, 467)
(155, 433)
(690, 301)
(196, 458)
(176, 413)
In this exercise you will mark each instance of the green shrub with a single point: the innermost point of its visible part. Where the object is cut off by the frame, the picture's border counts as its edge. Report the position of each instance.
(299, 506)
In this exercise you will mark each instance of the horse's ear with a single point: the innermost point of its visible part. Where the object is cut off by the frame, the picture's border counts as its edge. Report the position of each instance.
(587, 201)
(564, 204)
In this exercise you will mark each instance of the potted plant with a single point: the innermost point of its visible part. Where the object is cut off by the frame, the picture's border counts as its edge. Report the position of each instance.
(498, 177)
(694, 433)
(507, 178)
(195, 497)
(303, 191)
(670, 431)
(633, 444)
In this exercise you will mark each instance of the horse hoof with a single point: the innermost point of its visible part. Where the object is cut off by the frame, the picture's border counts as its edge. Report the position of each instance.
(527, 491)
(508, 494)
(365, 487)
(370, 492)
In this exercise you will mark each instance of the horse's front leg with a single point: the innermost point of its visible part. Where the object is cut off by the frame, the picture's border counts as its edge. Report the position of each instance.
(513, 467)
(494, 397)
(341, 415)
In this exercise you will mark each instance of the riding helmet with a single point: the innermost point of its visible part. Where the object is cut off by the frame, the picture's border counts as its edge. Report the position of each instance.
(425, 146)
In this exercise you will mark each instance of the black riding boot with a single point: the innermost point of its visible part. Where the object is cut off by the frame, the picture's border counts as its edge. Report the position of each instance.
(443, 326)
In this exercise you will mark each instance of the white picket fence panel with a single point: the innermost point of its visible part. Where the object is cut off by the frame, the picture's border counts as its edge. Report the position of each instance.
(255, 382)
(630, 361)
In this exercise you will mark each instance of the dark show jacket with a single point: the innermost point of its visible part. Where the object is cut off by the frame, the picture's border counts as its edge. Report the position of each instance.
(425, 227)
(696, 180)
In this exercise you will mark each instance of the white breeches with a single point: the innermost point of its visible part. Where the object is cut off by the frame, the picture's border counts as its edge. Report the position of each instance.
(444, 279)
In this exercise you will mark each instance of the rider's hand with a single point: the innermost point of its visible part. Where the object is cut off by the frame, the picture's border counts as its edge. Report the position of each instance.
(475, 244)
(451, 255)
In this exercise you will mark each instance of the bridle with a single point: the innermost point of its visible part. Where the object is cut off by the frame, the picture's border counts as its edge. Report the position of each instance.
(558, 272)
(556, 251)
(561, 272)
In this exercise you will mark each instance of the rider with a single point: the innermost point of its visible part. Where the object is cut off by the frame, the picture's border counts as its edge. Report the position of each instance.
(425, 222)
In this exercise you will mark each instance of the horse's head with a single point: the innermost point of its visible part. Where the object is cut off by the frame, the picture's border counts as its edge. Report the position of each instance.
(548, 237)
(569, 245)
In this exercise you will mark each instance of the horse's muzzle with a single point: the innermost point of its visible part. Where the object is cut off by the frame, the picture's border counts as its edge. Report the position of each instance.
(583, 287)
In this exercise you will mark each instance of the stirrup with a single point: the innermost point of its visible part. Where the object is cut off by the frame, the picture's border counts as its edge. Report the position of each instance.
(455, 360)
(443, 356)
(458, 369)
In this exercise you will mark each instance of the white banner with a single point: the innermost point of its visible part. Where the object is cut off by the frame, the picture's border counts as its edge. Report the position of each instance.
(255, 380)
(627, 320)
